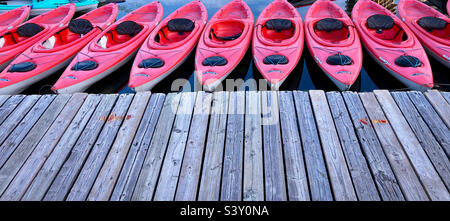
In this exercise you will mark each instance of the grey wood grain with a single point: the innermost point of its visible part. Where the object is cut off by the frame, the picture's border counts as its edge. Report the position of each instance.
(381, 169)
(253, 157)
(318, 180)
(432, 119)
(86, 178)
(440, 105)
(106, 179)
(43, 149)
(341, 182)
(234, 153)
(365, 187)
(3, 99)
(129, 174)
(275, 181)
(209, 189)
(148, 178)
(9, 105)
(68, 172)
(296, 178)
(431, 146)
(192, 162)
(170, 171)
(429, 177)
(446, 95)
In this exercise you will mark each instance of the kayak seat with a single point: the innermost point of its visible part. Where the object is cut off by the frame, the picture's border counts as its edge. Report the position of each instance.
(215, 61)
(329, 25)
(151, 63)
(432, 23)
(275, 59)
(129, 28)
(339, 59)
(176, 30)
(80, 26)
(408, 61)
(29, 30)
(331, 30)
(279, 25)
(180, 25)
(380, 22)
(22, 67)
(85, 66)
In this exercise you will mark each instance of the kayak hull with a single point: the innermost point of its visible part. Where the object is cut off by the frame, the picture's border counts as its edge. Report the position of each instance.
(13, 18)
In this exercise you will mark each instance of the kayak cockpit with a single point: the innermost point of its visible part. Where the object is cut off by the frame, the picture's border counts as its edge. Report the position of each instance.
(435, 26)
(77, 29)
(331, 30)
(176, 30)
(387, 31)
(120, 34)
(22, 33)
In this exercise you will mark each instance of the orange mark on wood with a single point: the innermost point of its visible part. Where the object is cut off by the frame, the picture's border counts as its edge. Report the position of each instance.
(379, 121)
(364, 121)
(114, 117)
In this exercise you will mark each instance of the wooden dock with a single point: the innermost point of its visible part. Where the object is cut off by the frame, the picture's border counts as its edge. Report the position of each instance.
(226, 146)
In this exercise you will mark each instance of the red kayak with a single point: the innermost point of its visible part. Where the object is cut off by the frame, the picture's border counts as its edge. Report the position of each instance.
(13, 18)
(55, 52)
(334, 43)
(114, 47)
(431, 27)
(168, 46)
(393, 45)
(277, 42)
(223, 43)
(18, 39)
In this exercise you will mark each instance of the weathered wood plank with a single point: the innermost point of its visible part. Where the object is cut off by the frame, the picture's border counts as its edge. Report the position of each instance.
(3, 99)
(104, 184)
(319, 184)
(209, 189)
(253, 157)
(275, 181)
(9, 105)
(429, 177)
(27, 139)
(31, 167)
(296, 178)
(434, 151)
(129, 174)
(440, 105)
(170, 171)
(192, 162)
(234, 153)
(334, 157)
(381, 170)
(50, 168)
(148, 178)
(446, 95)
(86, 178)
(74, 162)
(13, 140)
(359, 170)
(409, 182)
(432, 119)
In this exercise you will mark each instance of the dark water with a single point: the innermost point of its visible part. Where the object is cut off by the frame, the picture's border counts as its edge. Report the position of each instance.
(306, 76)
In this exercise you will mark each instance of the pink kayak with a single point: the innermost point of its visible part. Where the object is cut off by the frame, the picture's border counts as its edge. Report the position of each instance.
(13, 18)
(223, 43)
(278, 42)
(431, 27)
(168, 46)
(334, 43)
(393, 45)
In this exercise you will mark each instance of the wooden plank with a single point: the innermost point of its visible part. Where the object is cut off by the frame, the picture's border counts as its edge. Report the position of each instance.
(209, 189)
(91, 168)
(446, 95)
(129, 174)
(275, 182)
(253, 157)
(192, 161)
(148, 178)
(28, 140)
(429, 177)
(43, 149)
(9, 106)
(170, 171)
(440, 105)
(74, 162)
(104, 184)
(432, 119)
(341, 182)
(16, 117)
(381, 170)
(365, 187)
(54, 161)
(3, 99)
(409, 182)
(234, 153)
(319, 184)
(434, 151)
(296, 178)
(13, 140)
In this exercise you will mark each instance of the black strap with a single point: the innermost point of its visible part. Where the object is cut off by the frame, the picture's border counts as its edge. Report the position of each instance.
(227, 38)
